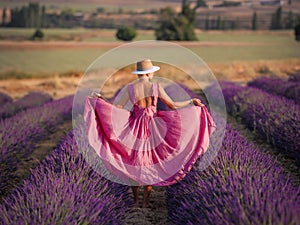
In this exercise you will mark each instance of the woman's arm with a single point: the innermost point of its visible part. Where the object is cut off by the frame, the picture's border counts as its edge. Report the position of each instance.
(174, 105)
(122, 98)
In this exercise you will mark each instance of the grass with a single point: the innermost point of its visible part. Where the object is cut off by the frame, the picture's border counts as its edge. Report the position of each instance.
(52, 33)
(92, 35)
(29, 63)
(41, 62)
(77, 34)
(247, 36)
(226, 54)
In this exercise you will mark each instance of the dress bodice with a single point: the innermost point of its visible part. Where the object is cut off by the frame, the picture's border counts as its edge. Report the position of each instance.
(139, 111)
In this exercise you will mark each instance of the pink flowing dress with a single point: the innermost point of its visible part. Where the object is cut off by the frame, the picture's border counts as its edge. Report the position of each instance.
(146, 146)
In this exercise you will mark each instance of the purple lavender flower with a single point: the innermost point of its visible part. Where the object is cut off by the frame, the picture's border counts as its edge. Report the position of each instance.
(20, 133)
(277, 86)
(32, 99)
(4, 98)
(272, 117)
(64, 189)
(242, 186)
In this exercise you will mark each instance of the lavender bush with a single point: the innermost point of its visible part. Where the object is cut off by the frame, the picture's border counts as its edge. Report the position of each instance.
(242, 186)
(274, 118)
(294, 76)
(229, 91)
(19, 134)
(64, 189)
(174, 91)
(278, 86)
(4, 98)
(30, 100)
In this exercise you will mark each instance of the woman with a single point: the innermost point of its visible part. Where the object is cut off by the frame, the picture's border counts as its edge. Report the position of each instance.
(147, 146)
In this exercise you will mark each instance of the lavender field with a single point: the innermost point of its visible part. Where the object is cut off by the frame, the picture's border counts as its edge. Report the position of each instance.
(273, 117)
(245, 184)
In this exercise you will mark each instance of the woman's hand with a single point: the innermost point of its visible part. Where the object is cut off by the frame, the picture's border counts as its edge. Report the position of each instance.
(96, 95)
(197, 102)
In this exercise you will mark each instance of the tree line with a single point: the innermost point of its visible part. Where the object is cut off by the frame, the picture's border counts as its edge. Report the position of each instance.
(278, 21)
(35, 16)
(31, 15)
(170, 25)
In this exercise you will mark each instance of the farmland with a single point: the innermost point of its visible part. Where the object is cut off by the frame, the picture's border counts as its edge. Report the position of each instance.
(44, 178)
(213, 47)
(243, 174)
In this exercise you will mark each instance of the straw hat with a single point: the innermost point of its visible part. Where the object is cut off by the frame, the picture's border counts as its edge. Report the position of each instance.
(145, 66)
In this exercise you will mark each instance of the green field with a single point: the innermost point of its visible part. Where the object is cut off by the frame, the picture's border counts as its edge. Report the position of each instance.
(42, 62)
(227, 54)
(109, 35)
(254, 46)
(74, 34)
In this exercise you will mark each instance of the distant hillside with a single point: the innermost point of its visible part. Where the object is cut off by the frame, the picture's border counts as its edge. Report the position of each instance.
(131, 3)
(142, 14)
(111, 3)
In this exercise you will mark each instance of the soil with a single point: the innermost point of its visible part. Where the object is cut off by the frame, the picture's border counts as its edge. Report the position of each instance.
(289, 164)
(155, 213)
(43, 148)
(56, 86)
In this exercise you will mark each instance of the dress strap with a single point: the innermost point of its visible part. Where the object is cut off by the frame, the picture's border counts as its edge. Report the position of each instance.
(155, 93)
(131, 93)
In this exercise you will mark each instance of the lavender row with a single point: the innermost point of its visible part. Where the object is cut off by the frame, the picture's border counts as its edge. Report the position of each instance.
(30, 100)
(241, 186)
(4, 98)
(178, 92)
(29, 125)
(64, 189)
(19, 134)
(294, 76)
(288, 89)
(274, 118)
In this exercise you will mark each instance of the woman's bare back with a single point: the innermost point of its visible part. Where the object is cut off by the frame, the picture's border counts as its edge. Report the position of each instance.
(143, 93)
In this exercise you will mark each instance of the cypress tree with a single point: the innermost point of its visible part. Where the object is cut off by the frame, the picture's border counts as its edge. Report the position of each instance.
(207, 25)
(276, 21)
(237, 23)
(4, 17)
(254, 21)
(23, 17)
(180, 26)
(43, 17)
(289, 22)
(232, 25)
(297, 31)
(218, 26)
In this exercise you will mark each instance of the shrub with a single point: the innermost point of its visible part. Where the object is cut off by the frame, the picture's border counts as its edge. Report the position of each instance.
(297, 32)
(38, 34)
(126, 33)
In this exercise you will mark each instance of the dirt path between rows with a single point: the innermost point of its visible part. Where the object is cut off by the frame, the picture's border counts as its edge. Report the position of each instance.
(156, 213)
(43, 148)
(288, 163)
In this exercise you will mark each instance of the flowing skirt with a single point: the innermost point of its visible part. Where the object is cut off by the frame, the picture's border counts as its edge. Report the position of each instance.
(145, 146)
